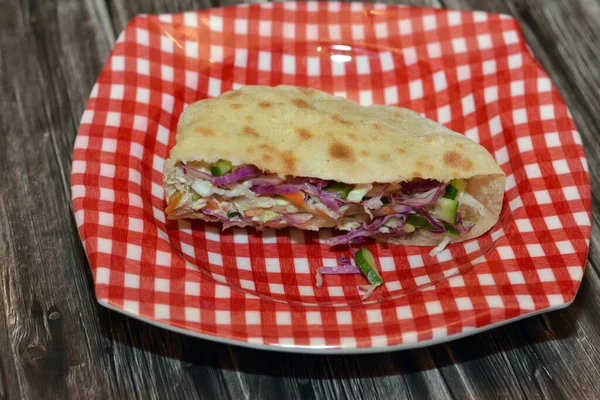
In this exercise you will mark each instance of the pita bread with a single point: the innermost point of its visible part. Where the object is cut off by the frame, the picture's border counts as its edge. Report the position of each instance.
(304, 132)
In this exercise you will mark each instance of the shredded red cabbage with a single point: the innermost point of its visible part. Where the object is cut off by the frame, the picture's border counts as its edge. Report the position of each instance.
(415, 196)
(353, 235)
(243, 172)
(345, 260)
(422, 199)
(345, 267)
(433, 220)
(378, 222)
(460, 227)
(277, 189)
(372, 204)
(337, 270)
(267, 180)
(214, 214)
(401, 209)
(197, 173)
(326, 198)
(366, 290)
(371, 229)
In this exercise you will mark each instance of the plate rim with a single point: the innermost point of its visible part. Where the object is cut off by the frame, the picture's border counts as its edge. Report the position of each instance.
(310, 349)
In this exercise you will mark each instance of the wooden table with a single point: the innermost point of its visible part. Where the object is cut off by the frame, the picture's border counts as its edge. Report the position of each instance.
(55, 342)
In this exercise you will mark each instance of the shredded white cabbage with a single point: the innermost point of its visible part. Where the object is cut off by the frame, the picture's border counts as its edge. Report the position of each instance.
(326, 210)
(359, 191)
(259, 202)
(348, 225)
(239, 209)
(440, 247)
(468, 200)
(203, 188)
(198, 204)
(393, 222)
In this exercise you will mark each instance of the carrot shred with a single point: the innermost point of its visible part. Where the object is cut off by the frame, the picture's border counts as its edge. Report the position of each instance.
(212, 206)
(296, 198)
(388, 210)
(275, 224)
(173, 202)
(252, 213)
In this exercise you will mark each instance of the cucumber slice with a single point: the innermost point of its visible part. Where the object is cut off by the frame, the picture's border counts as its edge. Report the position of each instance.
(459, 184)
(341, 189)
(220, 168)
(409, 228)
(195, 197)
(418, 221)
(445, 209)
(455, 188)
(451, 192)
(451, 231)
(233, 214)
(366, 262)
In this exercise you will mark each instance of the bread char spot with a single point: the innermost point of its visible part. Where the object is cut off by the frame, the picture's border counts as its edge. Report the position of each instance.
(400, 150)
(249, 149)
(454, 159)
(428, 139)
(301, 103)
(352, 136)
(236, 106)
(341, 151)
(340, 119)
(303, 133)
(249, 118)
(205, 132)
(377, 127)
(289, 161)
(234, 94)
(267, 157)
(364, 153)
(267, 147)
(250, 131)
(424, 166)
(385, 156)
(265, 104)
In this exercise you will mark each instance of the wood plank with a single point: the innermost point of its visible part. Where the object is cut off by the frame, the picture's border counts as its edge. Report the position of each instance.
(53, 345)
(42, 256)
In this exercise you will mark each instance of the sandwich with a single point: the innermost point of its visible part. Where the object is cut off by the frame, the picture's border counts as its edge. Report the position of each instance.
(289, 156)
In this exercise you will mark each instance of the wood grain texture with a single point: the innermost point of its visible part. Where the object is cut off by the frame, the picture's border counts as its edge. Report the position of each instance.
(57, 343)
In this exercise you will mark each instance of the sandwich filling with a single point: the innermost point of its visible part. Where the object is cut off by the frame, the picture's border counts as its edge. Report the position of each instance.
(245, 195)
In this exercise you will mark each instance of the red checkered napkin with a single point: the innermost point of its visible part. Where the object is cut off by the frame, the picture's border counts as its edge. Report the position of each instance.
(471, 71)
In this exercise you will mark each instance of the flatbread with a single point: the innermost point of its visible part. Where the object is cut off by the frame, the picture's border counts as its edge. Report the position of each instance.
(305, 132)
